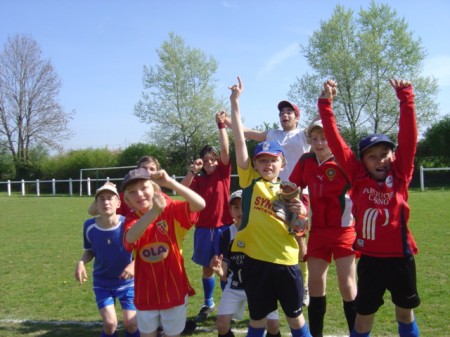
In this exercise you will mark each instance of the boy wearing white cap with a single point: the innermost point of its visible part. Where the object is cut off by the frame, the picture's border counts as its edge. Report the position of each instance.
(113, 274)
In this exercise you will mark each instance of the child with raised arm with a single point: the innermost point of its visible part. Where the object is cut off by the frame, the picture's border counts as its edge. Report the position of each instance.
(210, 177)
(113, 265)
(270, 273)
(380, 180)
(332, 230)
(227, 265)
(154, 232)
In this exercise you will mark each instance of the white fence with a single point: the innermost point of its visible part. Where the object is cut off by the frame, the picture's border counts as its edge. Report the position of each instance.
(37, 183)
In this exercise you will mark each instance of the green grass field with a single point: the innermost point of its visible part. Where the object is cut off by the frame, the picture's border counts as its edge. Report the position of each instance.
(41, 241)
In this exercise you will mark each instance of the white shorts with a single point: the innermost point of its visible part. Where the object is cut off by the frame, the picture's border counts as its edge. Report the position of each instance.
(234, 301)
(172, 320)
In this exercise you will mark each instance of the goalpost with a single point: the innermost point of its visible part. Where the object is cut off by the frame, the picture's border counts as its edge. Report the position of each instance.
(98, 169)
(422, 169)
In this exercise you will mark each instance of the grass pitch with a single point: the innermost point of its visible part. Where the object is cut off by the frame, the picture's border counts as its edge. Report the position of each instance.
(41, 241)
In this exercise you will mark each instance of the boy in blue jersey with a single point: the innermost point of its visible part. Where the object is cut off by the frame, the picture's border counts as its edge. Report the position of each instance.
(270, 272)
(113, 274)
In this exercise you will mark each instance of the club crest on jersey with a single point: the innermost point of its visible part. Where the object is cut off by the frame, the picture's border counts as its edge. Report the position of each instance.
(162, 226)
(154, 252)
(331, 173)
(389, 181)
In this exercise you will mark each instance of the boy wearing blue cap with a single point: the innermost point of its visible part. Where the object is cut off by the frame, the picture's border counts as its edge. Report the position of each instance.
(379, 192)
(270, 272)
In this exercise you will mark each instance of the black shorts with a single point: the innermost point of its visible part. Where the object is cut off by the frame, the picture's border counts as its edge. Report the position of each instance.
(376, 275)
(267, 283)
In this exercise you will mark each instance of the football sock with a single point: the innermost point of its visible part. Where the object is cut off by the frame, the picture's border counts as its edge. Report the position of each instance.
(350, 313)
(408, 329)
(208, 289)
(255, 332)
(268, 334)
(316, 313)
(302, 332)
(115, 334)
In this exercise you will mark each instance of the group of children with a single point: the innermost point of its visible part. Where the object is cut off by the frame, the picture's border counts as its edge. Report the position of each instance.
(357, 209)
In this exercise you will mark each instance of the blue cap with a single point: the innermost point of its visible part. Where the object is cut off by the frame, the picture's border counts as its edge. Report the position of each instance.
(269, 148)
(136, 174)
(372, 140)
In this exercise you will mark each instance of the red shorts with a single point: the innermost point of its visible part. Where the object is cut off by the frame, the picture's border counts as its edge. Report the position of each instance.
(331, 243)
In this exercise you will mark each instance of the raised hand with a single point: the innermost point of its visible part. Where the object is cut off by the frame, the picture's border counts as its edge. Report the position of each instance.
(236, 89)
(398, 84)
(329, 90)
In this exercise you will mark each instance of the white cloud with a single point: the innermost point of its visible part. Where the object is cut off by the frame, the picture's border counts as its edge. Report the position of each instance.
(439, 67)
(280, 57)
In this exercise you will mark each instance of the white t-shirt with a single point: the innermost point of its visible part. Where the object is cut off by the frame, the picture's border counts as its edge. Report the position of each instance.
(294, 144)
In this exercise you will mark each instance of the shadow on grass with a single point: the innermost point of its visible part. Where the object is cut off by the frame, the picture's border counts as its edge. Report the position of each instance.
(93, 329)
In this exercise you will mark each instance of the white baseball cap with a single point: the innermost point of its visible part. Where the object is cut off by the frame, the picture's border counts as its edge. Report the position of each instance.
(107, 187)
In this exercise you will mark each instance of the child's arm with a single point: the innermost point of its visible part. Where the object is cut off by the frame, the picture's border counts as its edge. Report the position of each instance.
(196, 202)
(242, 158)
(80, 270)
(195, 168)
(259, 136)
(223, 138)
(92, 210)
(407, 134)
(128, 272)
(341, 151)
(139, 227)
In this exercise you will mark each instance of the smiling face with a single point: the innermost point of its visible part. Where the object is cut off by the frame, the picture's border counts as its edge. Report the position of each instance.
(210, 162)
(378, 159)
(268, 166)
(139, 195)
(288, 118)
(319, 143)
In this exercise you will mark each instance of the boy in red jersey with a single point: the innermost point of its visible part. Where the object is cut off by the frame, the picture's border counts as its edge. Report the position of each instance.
(332, 231)
(154, 231)
(379, 191)
(210, 177)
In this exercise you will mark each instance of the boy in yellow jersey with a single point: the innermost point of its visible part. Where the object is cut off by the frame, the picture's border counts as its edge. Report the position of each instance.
(270, 273)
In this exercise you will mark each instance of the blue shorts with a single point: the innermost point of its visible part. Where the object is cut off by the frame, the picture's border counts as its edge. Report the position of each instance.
(267, 283)
(206, 244)
(105, 297)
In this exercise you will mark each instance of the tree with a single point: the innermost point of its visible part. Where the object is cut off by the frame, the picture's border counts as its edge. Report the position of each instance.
(361, 54)
(178, 101)
(434, 149)
(30, 113)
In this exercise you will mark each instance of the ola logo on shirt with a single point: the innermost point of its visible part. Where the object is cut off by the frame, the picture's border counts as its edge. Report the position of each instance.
(154, 252)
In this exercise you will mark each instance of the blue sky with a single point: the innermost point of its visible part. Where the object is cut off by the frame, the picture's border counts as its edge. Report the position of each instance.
(99, 49)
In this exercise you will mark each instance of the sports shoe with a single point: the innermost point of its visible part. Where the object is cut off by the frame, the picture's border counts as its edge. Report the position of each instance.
(160, 332)
(204, 313)
(190, 326)
(305, 297)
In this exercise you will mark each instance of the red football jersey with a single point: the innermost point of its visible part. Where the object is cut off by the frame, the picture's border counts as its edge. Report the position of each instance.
(161, 281)
(215, 189)
(328, 187)
(381, 210)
